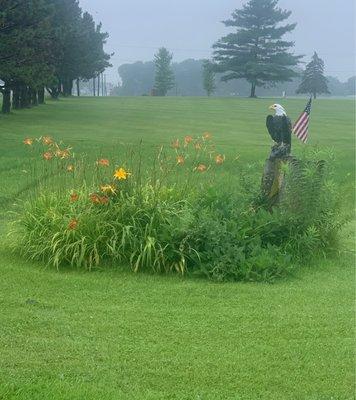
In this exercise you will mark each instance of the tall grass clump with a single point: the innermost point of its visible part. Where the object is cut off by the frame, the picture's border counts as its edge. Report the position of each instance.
(174, 212)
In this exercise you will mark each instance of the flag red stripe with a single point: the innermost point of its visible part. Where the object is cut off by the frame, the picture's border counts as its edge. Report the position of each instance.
(301, 120)
(304, 136)
(301, 128)
(302, 116)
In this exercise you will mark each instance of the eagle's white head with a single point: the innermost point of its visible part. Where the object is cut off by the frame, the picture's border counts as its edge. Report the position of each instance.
(278, 109)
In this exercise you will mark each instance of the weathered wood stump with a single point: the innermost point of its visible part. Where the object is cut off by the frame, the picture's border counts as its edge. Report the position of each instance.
(274, 183)
(273, 180)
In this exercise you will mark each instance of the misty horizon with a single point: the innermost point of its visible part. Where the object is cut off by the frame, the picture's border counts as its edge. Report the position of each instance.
(190, 28)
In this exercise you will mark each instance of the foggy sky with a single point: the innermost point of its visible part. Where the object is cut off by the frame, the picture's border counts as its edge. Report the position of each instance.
(188, 28)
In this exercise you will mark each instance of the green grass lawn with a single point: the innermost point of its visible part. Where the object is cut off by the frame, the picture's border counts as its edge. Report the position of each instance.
(111, 334)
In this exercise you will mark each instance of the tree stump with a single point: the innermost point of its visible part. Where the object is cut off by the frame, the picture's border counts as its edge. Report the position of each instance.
(274, 183)
(273, 180)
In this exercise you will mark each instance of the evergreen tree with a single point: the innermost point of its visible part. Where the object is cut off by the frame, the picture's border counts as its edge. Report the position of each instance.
(164, 77)
(256, 50)
(208, 77)
(313, 80)
(46, 43)
(24, 51)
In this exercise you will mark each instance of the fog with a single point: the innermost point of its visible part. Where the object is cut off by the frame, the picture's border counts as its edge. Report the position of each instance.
(189, 28)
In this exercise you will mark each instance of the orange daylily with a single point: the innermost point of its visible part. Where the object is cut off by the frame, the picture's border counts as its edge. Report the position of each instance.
(121, 174)
(74, 197)
(48, 155)
(104, 199)
(180, 160)
(207, 136)
(70, 168)
(94, 198)
(28, 142)
(97, 199)
(47, 140)
(219, 159)
(73, 223)
(104, 162)
(62, 153)
(188, 139)
(201, 168)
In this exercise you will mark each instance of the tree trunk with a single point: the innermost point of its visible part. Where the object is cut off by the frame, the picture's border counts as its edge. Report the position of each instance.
(253, 90)
(33, 97)
(99, 85)
(6, 100)
(67, 87)
(16, 97)
(23, 96)
(78, 87)
(41, 95)
(314, 95)
(94, 86)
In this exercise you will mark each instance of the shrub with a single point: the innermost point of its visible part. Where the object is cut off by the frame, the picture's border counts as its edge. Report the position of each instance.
(238, 238)
(177, 215)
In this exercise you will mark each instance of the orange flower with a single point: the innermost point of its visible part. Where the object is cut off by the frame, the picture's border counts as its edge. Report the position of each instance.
(47, 140)
(104, 199)
(219, 159)
(62, 153)
(94, 198)
(73, 223)
(74, 197)
(121, 174)
(70, 168)
(111, 189)
(47, 155)
(180, 160)
(207, 136)
(97, 199)
(201, 168)
(28, 142)
(175, 144)
(188, 139)
(104, 162)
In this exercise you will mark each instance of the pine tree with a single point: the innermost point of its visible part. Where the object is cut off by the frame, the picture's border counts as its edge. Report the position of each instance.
(24, 51)
(256, 50)
(208, 77)
(313, 80)
(164, 77)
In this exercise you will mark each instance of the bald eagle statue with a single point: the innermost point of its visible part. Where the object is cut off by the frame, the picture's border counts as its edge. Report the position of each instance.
(280, 129)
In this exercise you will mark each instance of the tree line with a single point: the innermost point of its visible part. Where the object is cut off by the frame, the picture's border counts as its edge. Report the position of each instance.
(137, 79)
(47, 44)
(255, 52)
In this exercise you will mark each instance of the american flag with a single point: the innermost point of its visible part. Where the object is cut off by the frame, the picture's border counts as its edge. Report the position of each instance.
(301, 126)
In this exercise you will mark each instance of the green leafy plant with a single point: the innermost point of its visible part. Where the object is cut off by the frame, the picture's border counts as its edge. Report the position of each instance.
(177, 215)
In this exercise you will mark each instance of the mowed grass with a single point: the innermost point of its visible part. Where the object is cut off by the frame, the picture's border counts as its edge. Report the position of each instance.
(110, 334)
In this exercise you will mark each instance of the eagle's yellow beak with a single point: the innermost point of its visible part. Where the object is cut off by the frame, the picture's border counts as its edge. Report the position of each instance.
(271, 107)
